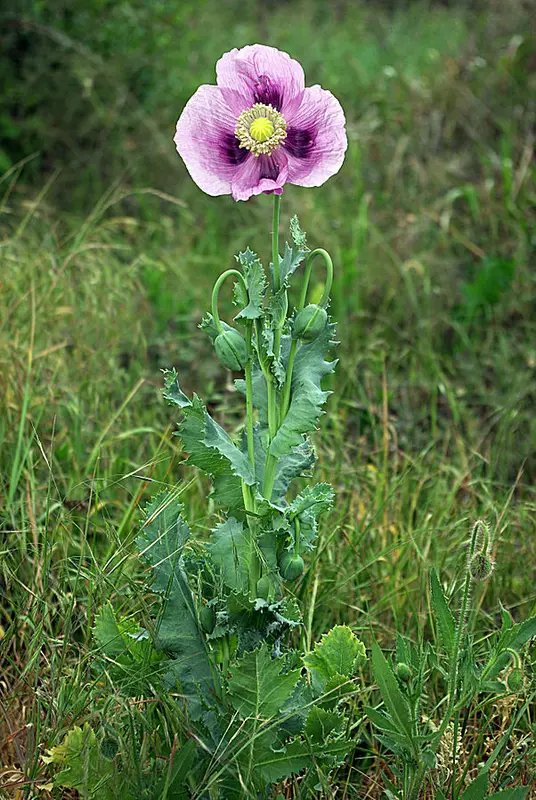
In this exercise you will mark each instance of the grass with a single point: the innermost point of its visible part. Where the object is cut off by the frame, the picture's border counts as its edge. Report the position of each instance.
(107, 268)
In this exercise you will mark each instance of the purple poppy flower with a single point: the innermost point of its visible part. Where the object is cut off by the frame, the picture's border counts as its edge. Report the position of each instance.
(260, 128)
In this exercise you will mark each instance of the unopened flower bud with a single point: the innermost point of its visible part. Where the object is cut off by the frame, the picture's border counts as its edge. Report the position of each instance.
(309, 323)
(291, 566)
(515, 680)
(403, 672)
(481, 566)
(231, 350)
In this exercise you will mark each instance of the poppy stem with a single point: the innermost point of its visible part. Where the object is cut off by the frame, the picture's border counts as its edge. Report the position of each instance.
(216, 291)
(275, 240)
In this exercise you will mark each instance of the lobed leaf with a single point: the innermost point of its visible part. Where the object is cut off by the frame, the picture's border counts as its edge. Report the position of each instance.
(161, 542)
(258, 687)
(307, 396)
(229, 549)
(320, 723)
(339, 652)
(256, 285)
(83, 767)
(209, 447)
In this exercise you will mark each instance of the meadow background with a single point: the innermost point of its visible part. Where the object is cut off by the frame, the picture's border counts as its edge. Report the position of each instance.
(108, 253)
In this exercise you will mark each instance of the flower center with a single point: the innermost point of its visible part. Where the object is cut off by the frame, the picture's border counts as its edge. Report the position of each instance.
(260, 129)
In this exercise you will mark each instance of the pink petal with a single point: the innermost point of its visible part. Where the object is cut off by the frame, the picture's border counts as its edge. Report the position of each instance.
(261, 174)
(262, 74)
(316, 138)
(206, 142)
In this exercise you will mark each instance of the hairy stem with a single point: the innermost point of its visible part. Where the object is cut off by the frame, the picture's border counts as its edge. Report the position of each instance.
(460, 628)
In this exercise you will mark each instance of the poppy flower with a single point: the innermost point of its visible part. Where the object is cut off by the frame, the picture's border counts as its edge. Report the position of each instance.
(260, 127)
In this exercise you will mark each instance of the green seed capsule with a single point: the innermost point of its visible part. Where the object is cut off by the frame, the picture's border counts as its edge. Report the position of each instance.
(263, 587)
(291, 566)
(403, 672)
(207, 618)
(309, 323)
(231, 350)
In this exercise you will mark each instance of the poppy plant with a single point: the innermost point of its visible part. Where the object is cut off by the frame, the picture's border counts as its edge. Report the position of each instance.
(260, 127)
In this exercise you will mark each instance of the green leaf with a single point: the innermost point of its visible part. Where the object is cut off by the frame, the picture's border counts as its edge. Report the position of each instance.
(521, 632)
(119, 638)
(477, 789)
(258, 688)
(217, 438)
(209, 447)
(83, 767)
(445, 619)
(256, 284)
(161, 542)
(517, 793)
(275, 765)
(298, 236)
(295, 464)
(381, 721)
(132, 660)
(320, 723)
(313, 500)
(274, 319)
(289, 263)
(339, 652)
(329, 693)
(172, 391)
(307, 396)
(229, 549)
(307, 507)
(394, 701)
(513, 637)
(180, 768)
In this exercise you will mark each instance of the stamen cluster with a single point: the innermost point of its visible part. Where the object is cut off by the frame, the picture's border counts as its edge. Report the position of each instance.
(250, 139)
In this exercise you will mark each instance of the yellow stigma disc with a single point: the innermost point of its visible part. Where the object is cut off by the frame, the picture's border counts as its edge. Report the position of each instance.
(261, 129)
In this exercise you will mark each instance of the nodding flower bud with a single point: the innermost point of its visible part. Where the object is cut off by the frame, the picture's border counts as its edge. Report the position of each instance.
(515, 680)
(231, 350)
(481, 566)
(291, 566)
(403, 672)
(309, 323)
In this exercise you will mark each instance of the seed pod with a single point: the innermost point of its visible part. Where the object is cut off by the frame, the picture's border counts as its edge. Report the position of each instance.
(291, 566)
(309, 323)
(207, 618)
(403, 672)
(263, 587)
(481, 566)
(515, 680)
(231, 350)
